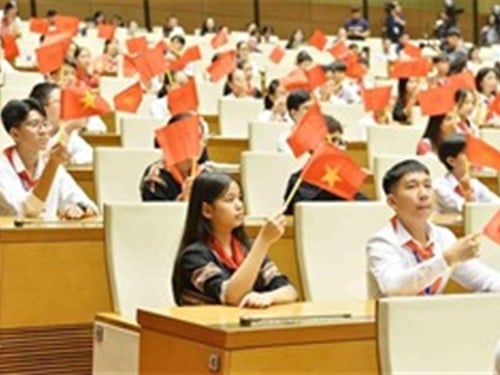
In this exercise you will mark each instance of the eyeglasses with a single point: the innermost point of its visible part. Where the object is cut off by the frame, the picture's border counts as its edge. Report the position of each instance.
(37, 124)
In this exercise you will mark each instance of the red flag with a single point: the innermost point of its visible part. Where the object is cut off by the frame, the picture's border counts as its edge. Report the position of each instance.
(222, 66)
(318, 39)
(315, 76)
(464, 80)
(162, 46)
(309, 132)
(412, 50)
(339, 50)
(59, 37)
(77, 102)
(67, 24)
(355, 69)
(492, 229)
(137, 45)
(39, 25)
(437, 100)
(295, 80)
(481, 153)
(10, 48)
(410, 68)
(129, 68)
(219, 40)
(50, 57)
(130, 99)
(183, 98)
(333, 171)
(377, 98)
(180, 141)
(106, 31)
(494, 106)
(190, 54)
(150, 63)
(277, 54)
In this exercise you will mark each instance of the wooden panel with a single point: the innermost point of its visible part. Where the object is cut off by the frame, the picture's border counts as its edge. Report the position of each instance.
(286, 15)
(233, 13)
(226, 150)
(190, 13)
(84, 177)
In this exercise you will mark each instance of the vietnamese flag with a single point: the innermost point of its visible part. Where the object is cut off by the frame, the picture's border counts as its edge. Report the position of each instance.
(296, 79)
(315, 76)
(332, 170)
(129, 99)
(219, 40)
(377, 98)
(492, 229)
(277, 54)
(309, 132)
(318, 39)
(412, 50)
(78, 102)
(339, 50)
(150, 63)
(39, 25)
(180, 140)
(222, 66)
(183, 98)
(354, 68)
(464, 80)
(106, 31)
(50, 56)
(10, 48)
(162, 46)
(137, 45)
(481, 153)
(437, 100)
(190, 54)
(410, 68)
(67, 24)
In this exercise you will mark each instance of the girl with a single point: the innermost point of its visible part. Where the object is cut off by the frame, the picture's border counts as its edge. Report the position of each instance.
(486, 85)
(275, 104)
(465, 103)
(408, 89)
(215, 263)
(438, 128)
(84, 75)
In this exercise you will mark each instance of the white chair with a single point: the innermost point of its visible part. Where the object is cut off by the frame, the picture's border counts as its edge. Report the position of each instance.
(448, 334)
(490, 135)
(118, 172)
(264, 136)
(142, 240)
(331, 250)
(209, 94)
(264, 177)
(382, 163)
(22, 81)
(139, 131)
(392, 140)
(349, 116)
(476, 216)
(235, 114)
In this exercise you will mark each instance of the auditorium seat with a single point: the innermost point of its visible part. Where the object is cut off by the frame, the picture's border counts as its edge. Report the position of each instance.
(264, 136)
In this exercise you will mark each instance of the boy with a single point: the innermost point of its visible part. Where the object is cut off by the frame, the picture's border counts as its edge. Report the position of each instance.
(457, 186)
(412, 256)
(32, 185)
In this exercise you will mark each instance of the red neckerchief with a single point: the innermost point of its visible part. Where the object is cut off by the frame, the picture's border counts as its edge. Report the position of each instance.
(27, 182)
(421, 254)
(233, 262)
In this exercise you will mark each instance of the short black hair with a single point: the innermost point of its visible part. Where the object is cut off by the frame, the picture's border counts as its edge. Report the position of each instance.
(16, 111)
(338, 66)
(41, 92)
(451, 146)
(296, 98)
(179, 38)
(333, 124)
(303, 56)
(399, 170)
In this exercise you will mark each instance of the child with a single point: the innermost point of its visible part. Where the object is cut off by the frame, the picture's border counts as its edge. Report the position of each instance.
(32, 186)
(216, 264)
(412, 256)
(457, 186)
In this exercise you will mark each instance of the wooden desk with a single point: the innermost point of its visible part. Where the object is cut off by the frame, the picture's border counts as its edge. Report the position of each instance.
(226, 150)
(103, 139)
(53, 282)
(358, 152)
(208, 339)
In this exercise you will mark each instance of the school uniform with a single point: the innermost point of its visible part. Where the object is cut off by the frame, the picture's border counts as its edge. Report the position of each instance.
(401, 267)
(79, 150)
(16, 190)
(159, 184)
(204, 275)
(450, 196)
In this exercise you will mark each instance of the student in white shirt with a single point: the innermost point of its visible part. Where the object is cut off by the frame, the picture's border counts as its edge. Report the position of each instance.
(32, 185)
(457, 186)
(275, 104)
(410, 255)
(49, 95)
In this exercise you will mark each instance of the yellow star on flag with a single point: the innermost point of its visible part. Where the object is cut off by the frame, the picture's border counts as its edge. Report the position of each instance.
(128, 100)
(88, 100)
(331, 176)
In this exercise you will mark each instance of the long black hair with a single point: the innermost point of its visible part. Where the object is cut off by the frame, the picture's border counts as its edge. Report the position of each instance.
(207, 188)
(433, 130)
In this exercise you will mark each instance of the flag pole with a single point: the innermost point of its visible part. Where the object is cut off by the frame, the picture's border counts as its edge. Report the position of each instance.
(193, 166)
(292, 193)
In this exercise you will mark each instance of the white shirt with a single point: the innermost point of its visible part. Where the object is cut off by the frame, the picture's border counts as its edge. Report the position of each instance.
(398, 272)
(78, 148)
(16, 201)
(448, 200)
(348, 93)
(159, 108)
(96, 125)
(269, 116)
